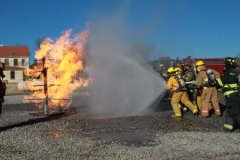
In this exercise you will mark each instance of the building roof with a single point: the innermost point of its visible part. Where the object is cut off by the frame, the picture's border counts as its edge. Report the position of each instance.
(14, 51)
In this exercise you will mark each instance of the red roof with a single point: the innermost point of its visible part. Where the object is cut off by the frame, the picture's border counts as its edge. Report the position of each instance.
(14, 51)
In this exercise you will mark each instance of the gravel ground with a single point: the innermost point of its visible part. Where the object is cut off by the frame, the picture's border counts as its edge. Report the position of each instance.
(78, 136)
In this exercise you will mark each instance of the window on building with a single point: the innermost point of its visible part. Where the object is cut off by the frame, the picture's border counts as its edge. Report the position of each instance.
(15, 62)
(23, 62)
(24, 76)
(6, 62)
(12, 75)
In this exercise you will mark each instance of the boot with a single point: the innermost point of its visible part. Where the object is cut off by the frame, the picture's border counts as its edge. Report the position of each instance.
(177, 117)
(195, 112)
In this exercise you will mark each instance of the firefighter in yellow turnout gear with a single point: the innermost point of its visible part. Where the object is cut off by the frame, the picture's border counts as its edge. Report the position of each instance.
(176, 84)
(190, 79)
(209, 92)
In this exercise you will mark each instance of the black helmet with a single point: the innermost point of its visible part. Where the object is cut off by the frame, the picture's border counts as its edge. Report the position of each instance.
(229, 61)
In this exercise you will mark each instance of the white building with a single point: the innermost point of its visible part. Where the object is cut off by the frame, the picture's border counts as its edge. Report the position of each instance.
(16, 59)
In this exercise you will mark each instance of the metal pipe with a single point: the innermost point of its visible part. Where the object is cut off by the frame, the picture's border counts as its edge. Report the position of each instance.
(45, 85)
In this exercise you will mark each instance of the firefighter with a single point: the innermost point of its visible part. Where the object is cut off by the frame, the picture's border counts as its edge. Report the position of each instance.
(230, 88)
(2, 86)
(197, 91)
(179, 72)
(162, 71)
(209, 92)
(176, 84)
(190, 78)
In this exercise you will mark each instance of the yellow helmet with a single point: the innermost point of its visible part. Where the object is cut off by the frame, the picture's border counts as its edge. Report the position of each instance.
(170, 70)
(177, 69)
(200, 63)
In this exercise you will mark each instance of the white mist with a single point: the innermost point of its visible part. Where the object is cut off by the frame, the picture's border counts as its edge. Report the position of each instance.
(123, 83)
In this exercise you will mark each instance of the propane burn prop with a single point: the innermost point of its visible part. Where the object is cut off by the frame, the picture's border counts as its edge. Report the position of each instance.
(59, 70)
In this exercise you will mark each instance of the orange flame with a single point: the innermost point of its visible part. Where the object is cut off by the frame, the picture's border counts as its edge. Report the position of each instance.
(64, 61)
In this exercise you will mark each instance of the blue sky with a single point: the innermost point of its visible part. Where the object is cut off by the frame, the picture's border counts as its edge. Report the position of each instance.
(201, 28)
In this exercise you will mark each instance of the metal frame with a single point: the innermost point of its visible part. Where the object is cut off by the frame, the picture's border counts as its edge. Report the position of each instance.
(45, 87)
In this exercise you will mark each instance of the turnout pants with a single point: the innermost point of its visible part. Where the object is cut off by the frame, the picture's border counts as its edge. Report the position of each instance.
(178, 97)
(209, 94)
(232, 117)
